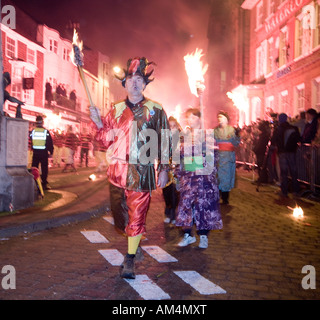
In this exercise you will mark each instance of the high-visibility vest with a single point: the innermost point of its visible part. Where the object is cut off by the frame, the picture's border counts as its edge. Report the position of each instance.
(39, 137)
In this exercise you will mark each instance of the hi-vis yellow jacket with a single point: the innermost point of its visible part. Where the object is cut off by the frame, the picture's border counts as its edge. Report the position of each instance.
(41, 139)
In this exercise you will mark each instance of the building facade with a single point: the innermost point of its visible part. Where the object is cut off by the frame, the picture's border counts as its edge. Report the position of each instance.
(284, 59)
(45, 79)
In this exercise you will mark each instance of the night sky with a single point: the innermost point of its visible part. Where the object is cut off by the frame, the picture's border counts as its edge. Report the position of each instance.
(161, 30)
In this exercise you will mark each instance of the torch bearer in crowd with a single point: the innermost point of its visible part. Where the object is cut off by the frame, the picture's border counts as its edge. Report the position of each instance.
(77, 59)
(195, 72)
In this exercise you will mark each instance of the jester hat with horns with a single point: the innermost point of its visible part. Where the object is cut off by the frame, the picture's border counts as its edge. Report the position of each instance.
(137, 66)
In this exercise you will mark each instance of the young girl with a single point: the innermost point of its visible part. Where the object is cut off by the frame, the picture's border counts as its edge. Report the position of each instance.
(199, 193)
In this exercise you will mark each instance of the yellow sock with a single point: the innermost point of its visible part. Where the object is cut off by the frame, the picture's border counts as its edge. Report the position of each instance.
(133, 244)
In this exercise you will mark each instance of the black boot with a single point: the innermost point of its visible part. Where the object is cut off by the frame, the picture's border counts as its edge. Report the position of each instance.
(225, 197)
(127, 268)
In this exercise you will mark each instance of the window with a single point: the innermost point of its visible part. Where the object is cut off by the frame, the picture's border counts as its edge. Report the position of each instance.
(66, 54)
(316, 94)
(283, 47)
(316, 41)
(304, 32)
(17, 73)
(16, 90)
(299, 99)
(31, 57)
(270, 105)
(284, 102)
(270, 57)
(259, 71)
(259, 17)
(271, 7)
(11, 48)
(53, 46)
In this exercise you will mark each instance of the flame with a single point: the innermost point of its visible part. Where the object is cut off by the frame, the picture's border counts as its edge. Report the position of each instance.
(177, 113)
(195, 71)
(298, 212)
(77, 57)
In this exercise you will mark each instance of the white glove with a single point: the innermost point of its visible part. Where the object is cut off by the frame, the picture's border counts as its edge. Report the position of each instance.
(95, 116)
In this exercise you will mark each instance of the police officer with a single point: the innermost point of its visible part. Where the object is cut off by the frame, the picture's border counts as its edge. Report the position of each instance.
(42, 145)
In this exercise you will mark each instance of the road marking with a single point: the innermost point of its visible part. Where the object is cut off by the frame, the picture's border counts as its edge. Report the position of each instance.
(146, 288)
(159, 254)
(113, 256)
(198, 282)
(109, 219)
(94, 236)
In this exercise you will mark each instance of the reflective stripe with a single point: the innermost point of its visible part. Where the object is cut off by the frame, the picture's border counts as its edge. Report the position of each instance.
(39, 137)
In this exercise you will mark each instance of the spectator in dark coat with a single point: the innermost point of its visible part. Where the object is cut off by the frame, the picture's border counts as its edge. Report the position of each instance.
(286, 138)
(310, 129)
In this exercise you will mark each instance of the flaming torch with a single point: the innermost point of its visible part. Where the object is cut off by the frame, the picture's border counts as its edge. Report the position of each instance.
(77, 59)
(195, 72)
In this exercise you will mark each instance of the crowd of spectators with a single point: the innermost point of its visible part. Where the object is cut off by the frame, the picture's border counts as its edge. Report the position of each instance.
(258, 150)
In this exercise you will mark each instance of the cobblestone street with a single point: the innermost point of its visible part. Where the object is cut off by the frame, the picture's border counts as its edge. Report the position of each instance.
(259, 254)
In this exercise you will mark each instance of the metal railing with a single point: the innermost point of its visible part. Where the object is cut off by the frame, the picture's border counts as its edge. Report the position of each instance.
(308, 166)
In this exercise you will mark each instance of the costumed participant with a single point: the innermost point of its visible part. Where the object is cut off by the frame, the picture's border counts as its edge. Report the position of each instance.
(170, 192)
(42, 145)
(199, 192)
(227, 139)
(132, 129)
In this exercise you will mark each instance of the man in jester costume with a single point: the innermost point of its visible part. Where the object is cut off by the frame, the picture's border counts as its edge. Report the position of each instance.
(133, 133)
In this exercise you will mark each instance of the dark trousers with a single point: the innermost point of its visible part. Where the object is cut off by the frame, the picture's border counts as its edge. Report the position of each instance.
(171, 199)
(84, 153)
(287, 162)
(41, 157)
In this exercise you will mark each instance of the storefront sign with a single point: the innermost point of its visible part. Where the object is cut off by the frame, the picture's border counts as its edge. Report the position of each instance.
(283, 72)
(286, 11)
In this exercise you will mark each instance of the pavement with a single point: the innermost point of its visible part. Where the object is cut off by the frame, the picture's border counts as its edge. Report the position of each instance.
(73, 198)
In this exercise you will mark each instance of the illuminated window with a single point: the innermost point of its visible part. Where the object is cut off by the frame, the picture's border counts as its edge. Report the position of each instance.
(283, 102)
(11, 48)
(53, 46)
(283, 47)
(259, 17)
(316, 94)
(270, 56)
(317, 26)
(299, 98)
(304, 31)
(259, 63)
(31, 57)
(270, 105)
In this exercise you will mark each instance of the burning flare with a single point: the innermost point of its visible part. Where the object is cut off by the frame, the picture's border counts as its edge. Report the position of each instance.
(76, 54)
(297, 212)
(195, 71)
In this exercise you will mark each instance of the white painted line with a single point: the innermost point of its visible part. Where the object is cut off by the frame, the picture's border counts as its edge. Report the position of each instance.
(94, 236)
(159, 254)
(147, 289)
(109, 219)
(198, 282)
(113, 256)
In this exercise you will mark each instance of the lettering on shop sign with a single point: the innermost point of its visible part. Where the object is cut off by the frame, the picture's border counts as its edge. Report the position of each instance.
(286, 11)
(8, 16)
(9, 280)
(309, 281)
